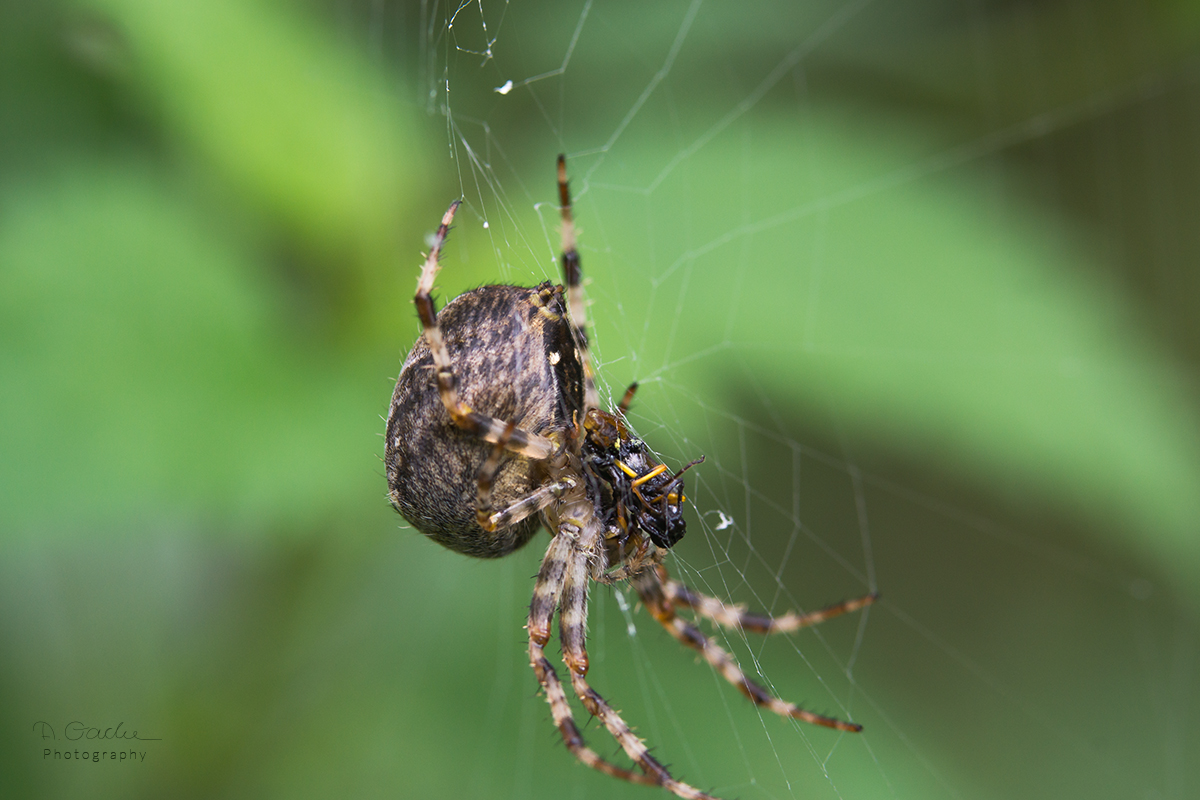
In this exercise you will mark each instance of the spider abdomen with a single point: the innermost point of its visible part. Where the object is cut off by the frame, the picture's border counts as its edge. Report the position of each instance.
(514, 359)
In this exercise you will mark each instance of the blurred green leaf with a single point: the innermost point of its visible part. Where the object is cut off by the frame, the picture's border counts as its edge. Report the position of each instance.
(146, 369)
(867, 278)
(295, 122)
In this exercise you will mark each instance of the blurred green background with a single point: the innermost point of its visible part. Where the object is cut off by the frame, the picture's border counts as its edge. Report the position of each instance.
(919, 279)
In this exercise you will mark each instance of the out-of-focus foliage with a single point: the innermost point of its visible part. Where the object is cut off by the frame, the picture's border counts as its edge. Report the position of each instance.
(952, 244)
(192, 281)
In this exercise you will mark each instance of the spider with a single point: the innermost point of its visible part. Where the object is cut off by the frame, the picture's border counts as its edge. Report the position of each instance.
(496, 428)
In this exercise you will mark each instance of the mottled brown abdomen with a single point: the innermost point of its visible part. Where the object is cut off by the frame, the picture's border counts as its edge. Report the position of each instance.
(514, 359)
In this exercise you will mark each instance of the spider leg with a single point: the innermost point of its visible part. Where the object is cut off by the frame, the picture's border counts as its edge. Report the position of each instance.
(650, 588)
(527, 505)
(483, 426)
(576, 298)
(633, 557)
(522, 508)
(546, 594)
(572, 623)
(737, 618)
(627, 400)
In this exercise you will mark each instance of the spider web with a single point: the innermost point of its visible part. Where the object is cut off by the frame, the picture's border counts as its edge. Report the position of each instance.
(1015, 652)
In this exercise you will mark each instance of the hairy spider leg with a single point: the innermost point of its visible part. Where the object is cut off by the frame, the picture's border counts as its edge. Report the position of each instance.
(576, 298)
(651, 590)
(737, 618)
(585, 552)
(529, 504)
(546, 594)
(487, 428)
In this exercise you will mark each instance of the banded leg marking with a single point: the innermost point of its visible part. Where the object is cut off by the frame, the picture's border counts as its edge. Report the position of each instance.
(572, 628)
(572, 620)
(736, 617)
(564, 720)
(627, 400)
(546, 595)
(522, 508)
(487, 428)
(651, 591)
(526, 506)
(572, 276)
(548, 589)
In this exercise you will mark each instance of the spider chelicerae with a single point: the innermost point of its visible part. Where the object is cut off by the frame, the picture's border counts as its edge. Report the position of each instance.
(496, 429)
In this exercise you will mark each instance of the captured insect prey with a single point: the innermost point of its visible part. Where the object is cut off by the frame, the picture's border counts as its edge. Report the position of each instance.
(496, 430)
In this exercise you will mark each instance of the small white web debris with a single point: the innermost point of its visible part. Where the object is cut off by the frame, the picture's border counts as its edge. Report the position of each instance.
(724, 523)
(630, 628)
(505, 89)
(485, 225)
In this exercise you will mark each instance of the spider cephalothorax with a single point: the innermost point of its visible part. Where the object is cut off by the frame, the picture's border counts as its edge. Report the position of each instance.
(496, 429)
